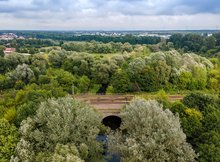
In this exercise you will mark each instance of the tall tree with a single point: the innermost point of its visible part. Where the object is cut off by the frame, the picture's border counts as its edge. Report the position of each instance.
(149, 133)
(2, 51)
(103, 71)
(61, 121)
(22, 72)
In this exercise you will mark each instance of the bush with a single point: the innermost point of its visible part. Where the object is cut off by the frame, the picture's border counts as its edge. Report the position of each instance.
(60, 121)
(121, 82)
(202, 125)
(8, 140)
(149, 133)
(200, 101)
(62, 153)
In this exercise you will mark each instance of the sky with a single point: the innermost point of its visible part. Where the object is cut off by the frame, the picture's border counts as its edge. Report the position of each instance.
(109, 14)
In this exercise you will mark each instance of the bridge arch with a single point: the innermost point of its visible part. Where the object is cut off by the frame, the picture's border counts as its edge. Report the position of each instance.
(112, 121)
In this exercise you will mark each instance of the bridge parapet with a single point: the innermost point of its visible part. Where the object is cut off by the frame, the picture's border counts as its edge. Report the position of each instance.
(107, 104)
(112, 104)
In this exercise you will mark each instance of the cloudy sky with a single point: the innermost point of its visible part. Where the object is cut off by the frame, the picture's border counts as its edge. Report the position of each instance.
(109, 14)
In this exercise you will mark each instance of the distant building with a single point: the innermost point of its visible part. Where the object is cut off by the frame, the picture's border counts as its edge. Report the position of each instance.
(10, 36)
(25, 54)
(8, 51)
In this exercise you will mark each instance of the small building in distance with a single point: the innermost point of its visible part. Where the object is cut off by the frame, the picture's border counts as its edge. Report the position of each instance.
(8, 51)
(8, 36)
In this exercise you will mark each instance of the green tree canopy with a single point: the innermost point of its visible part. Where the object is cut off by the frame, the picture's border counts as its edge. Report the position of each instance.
(22, 72)
(61, 121)
(121, 82)
(149, 133)
(8, 140)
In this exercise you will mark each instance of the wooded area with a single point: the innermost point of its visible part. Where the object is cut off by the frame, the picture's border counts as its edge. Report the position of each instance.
(40, 120)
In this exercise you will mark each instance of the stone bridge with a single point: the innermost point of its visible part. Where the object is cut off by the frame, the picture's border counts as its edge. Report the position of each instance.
(109, 106)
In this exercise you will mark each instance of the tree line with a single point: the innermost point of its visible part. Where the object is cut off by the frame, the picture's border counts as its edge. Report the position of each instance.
(134, 71)
(206, 45)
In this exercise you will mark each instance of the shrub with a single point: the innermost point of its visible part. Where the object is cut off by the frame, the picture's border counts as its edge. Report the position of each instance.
(60, 121)
(149, 133)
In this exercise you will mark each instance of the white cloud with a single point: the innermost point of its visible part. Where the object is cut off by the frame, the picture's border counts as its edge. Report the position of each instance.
(109, 14)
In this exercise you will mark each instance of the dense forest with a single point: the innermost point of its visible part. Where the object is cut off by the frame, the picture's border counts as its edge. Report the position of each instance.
(40, 120)
(200, 43)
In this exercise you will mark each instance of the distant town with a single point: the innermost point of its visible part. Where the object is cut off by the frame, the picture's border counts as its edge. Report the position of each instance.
(9, 35)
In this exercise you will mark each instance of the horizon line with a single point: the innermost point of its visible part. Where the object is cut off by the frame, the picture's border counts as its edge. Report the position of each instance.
(108, 30)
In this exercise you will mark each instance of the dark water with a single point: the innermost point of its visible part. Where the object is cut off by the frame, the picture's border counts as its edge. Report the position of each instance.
(109, 157)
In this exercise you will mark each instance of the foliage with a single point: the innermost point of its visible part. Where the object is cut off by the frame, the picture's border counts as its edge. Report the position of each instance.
(28, 99)
(184, 80)
(56, 58)
(64, 78)
(2, 51)
(83, 84)
(192, 123)
(166, 70)
(209, 152)
(10, 114)
(8, 140)
(22, 72)
(200, 101)
(103, 70)
(62, 121)
(201, 124)
(109, 65)
(5, 82)
(196, 43)
(43, 38)
(121, 82)
(39, 64)
(102, 73)
(79, 64)
(149, 133)
(12, 61)
(161, 95)
(62, 153)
